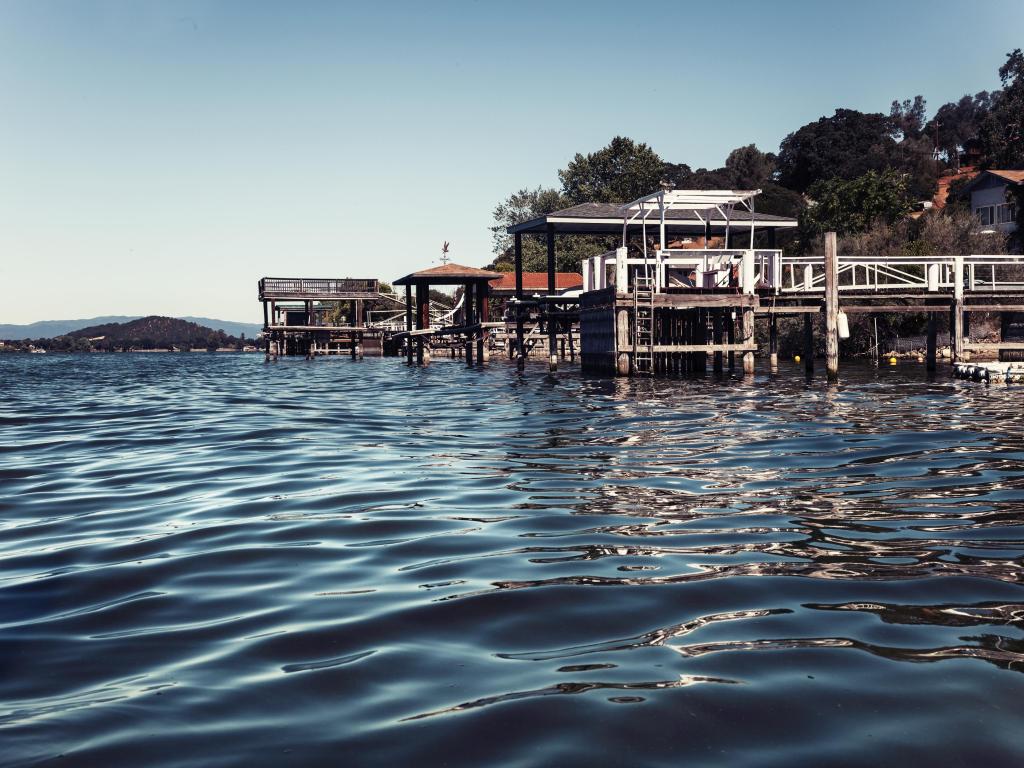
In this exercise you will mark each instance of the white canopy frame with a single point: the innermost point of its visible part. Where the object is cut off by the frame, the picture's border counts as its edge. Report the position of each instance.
(700, 201)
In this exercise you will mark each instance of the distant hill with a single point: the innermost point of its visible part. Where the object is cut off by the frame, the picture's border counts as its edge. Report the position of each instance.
(46, 329)
(154, 332)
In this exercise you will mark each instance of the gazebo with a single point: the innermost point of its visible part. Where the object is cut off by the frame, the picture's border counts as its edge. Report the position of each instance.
(475, 284)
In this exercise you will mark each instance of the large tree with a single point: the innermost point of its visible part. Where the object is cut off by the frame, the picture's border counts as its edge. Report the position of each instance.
(848, 207)
(845, 146)
(618, 173)
(957, 123)
(1002, 130)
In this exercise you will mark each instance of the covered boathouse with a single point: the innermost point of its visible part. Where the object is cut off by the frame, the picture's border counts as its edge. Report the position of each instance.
(656, 303)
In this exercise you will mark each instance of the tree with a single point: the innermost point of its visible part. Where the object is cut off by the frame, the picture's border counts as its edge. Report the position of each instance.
(618, 173)
(750, 167)
(845, 146)
(1002, 131)
(908, 118)
(848, 207)
(524, 205)
(957, 123)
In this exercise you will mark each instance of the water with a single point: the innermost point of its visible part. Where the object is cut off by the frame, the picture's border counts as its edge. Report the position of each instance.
(209, 561)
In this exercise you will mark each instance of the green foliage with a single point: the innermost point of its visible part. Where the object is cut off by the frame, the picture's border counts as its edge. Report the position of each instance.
(618, 173)
(956, 124)
(524, 205)
(844, 146)
(750, 168)
(1001, 134)
(853, 206)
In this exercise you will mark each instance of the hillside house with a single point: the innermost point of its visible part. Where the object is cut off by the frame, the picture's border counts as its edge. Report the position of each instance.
(991, 203)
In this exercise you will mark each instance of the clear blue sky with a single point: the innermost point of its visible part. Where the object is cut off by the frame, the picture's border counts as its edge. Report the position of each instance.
(160, 157)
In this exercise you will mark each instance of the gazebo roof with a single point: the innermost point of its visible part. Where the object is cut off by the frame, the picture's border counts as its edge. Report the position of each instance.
(448, 274)
(606, 218)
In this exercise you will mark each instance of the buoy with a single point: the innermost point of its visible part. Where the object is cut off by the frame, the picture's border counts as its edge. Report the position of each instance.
(843, 325)
(796, 358)
(892, 361)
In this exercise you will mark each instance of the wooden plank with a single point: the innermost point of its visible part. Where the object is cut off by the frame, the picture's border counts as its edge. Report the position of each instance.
(705, 347)
(695, 300)
(980, 346)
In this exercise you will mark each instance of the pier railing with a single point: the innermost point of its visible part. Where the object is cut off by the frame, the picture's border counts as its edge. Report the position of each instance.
(316, 288)
(688, 268)
(988, 273)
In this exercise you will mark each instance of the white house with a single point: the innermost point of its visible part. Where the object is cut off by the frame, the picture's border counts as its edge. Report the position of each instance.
(990, 201)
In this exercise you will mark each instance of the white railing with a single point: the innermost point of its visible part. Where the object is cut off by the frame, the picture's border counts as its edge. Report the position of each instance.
(806, 274)
(690, 268)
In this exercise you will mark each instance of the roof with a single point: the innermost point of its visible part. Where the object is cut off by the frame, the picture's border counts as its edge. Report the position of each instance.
(1012, 177)
(941, 196)
(1015, 176)
(538, 281)
(600, 218)
(447, 274)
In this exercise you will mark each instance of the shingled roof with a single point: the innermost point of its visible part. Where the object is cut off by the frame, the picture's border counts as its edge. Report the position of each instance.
(448, 274)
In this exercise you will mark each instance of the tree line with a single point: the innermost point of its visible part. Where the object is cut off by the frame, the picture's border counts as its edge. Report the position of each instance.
(851, 172)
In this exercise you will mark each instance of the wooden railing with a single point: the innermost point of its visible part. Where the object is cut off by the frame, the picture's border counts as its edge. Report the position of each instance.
(316, 288)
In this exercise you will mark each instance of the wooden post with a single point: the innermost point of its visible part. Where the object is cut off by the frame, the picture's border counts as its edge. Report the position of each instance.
(468, 315)
(552, 327)
(408, 324)
(716, 332)
(518, 239)
(483, 353)
(809, 343)
(748, 338)
(930, 352)
(831, 307)
(730, 335)
(266, 335)
(956, 328)
(422, 319)
(622, 341)
(773, 338)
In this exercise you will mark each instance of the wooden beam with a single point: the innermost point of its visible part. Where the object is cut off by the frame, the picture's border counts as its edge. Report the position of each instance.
(831, 307)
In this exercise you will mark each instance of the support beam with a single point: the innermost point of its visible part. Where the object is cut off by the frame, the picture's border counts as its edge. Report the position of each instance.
(422, 320)
(470, 319)
(831, 307)
(408, 324)
(730, 337)
(773, 341)
(930, 352)
(716, 337)
(809, 344)
(552, 325)
(518, 250)
(483, 354)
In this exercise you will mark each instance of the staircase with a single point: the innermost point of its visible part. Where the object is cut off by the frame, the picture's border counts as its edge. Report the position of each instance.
(643, 325)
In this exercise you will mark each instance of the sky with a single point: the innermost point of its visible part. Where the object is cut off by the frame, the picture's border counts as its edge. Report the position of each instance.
(161, 157)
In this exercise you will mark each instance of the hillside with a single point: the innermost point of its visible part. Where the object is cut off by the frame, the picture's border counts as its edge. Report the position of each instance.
(47, 329)
(153, 332)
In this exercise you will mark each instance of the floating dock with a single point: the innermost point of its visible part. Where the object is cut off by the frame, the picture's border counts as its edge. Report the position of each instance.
(992, 373)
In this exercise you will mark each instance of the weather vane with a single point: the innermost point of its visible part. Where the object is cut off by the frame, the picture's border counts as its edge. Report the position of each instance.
(444, 253)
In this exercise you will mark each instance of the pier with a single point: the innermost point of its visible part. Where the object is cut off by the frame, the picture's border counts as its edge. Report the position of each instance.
(696, 274)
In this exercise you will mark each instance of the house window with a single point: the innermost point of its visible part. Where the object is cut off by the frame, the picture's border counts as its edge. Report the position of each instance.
(1006, 213)
(984, 215)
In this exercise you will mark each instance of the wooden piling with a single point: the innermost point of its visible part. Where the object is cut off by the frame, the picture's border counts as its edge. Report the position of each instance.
(773, 342)
(552, 288)
(809, 343)
(831, 307)
(469, 315)
(518, 249)
(408, 324)
(930, 351)
(716, 334)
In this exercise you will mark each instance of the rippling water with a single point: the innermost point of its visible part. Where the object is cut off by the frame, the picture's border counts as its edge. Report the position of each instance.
(207, 560)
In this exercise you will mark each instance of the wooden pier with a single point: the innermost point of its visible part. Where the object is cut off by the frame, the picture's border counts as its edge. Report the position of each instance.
(296, 316)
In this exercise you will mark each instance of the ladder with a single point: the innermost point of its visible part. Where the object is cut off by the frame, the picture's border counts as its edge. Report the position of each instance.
(643, 325)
